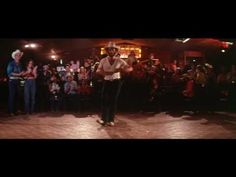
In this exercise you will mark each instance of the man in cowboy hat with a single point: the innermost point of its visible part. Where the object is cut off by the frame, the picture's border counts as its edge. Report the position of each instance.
(15, 73)
(110, 68)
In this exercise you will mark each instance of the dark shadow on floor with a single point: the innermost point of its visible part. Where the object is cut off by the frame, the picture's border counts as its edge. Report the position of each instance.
(226, 121)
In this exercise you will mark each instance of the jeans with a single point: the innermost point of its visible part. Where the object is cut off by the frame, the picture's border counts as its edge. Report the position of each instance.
(14, 91)
(110, 94)
(29, 95)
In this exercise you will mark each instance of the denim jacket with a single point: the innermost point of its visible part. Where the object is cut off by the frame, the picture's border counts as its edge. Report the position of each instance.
(13, 68)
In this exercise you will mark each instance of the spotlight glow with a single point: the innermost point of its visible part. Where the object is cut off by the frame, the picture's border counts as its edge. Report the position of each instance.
(32, 45)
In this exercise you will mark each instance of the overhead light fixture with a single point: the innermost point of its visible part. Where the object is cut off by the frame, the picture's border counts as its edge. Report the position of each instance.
(226, 45)
(223, 51)
(32, 45)
(53, 56)
(178, 40)
(230, 43)
(186, 40)
(183, 40)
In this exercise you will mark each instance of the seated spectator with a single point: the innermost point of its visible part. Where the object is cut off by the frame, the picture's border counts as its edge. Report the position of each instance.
(83, 75)
(71, 93)
(55, 96)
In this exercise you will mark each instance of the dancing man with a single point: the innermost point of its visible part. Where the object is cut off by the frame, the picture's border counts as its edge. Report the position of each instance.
(110, 68)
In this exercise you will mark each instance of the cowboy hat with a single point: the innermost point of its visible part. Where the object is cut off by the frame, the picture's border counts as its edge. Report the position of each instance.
(15, 52)
(112, 45)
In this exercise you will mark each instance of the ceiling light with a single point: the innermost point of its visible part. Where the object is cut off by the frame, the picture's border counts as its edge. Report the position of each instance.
(186, 40)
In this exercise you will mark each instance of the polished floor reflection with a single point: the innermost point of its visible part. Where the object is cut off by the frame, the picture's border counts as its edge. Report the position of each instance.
(148, 125)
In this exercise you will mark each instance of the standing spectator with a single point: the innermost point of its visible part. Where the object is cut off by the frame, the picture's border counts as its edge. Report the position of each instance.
(132, 58)
(30, 87)
(15, 73)
(43, 80)
(231, 78)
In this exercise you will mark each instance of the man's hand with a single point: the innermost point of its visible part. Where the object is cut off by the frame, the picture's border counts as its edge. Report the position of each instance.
(20, 74)
(35, 68)
(128, 69)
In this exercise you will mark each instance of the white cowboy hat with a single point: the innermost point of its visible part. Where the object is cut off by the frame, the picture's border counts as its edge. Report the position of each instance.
(112, 45)
(15, 52)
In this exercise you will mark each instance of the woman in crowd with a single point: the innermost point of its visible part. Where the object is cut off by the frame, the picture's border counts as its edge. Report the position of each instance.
(30, 76)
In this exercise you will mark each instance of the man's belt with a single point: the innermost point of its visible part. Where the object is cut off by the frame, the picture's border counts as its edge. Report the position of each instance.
(15, 78)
